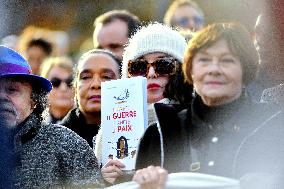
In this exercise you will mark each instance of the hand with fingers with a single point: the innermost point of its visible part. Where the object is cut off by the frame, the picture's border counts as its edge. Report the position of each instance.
(112, 170)
(152, 177)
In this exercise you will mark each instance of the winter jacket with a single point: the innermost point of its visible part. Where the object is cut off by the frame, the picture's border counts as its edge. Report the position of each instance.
(149, 151)
(201, 138)
(53, 156)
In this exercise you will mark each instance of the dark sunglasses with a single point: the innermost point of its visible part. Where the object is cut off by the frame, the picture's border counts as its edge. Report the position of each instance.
(163, 66)
(184, 21)
(56, 82)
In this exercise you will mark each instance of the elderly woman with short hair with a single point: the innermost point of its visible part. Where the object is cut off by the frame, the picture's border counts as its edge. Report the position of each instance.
(220, 61)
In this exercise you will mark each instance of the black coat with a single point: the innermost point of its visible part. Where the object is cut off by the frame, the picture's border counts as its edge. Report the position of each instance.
(202, 139)
(149, 152)
(76, 121)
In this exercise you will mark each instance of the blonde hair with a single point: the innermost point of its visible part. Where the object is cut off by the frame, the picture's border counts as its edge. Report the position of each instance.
(60, 61)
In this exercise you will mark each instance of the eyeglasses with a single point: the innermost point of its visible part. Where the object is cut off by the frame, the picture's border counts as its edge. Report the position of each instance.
(184, 20)
(56, 82)
(163, 66)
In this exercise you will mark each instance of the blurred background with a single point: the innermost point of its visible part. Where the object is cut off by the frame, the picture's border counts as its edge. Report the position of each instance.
(76, 17)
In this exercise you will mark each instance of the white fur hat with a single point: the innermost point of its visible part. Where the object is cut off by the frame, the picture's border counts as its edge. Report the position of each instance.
(154, 37)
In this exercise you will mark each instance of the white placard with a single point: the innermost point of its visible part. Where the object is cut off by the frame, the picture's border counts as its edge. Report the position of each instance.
(124, 118)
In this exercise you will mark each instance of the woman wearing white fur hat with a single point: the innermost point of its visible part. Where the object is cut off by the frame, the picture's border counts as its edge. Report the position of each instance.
(156, 52)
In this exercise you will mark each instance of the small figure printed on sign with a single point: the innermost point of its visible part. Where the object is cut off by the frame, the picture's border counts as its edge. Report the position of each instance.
(122, 148)
(110, 156)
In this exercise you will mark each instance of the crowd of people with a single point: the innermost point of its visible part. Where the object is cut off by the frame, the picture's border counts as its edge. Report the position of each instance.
(215, 106)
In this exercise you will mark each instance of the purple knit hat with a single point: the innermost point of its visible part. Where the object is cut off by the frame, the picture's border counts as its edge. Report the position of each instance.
(13, 64)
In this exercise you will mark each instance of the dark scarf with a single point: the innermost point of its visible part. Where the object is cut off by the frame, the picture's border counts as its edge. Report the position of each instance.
(76, 121)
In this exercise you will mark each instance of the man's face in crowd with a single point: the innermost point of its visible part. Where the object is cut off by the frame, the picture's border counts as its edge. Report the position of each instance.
(15, 101)
(35, 57)
(187, 17)
(112, 36)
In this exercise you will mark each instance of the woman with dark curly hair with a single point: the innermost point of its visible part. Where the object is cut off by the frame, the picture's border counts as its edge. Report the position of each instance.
(156, 52)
